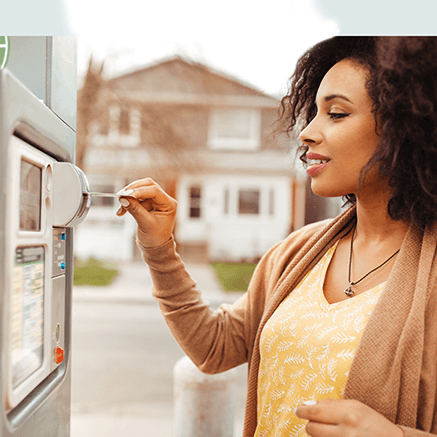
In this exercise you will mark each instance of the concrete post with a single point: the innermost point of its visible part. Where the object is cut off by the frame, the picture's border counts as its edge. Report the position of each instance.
(204, 404)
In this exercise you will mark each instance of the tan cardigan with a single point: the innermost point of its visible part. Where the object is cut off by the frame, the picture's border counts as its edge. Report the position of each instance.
(395, 367)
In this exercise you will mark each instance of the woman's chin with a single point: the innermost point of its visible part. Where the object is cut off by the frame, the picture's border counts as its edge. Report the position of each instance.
(322, 190)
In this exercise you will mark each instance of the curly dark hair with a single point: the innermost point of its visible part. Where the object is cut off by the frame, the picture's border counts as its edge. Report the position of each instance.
(403, 87)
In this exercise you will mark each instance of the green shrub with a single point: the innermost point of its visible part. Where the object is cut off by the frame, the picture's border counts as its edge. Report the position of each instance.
(93, 272)
(233, 276)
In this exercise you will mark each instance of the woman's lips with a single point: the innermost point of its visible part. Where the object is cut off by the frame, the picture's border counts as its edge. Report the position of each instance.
(312, 155)
(315, 167)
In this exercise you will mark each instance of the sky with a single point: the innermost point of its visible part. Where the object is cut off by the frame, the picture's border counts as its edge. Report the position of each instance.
(256, 42)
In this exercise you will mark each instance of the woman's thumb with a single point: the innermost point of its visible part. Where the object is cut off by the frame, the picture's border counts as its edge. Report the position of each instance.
(133, 206)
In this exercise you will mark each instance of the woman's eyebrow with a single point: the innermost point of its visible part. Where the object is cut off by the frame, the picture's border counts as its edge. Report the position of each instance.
(336, 96)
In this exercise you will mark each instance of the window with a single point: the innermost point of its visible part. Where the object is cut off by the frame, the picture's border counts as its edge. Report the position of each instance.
(248, 201)
(195, 197)
(271, 201)
(114, 114)
(234, 128)
(226, 201)
(233, 124)
(124, 128)
(124, 122)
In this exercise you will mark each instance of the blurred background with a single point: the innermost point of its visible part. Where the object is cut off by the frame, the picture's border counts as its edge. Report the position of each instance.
(186, 93)
(189, 95)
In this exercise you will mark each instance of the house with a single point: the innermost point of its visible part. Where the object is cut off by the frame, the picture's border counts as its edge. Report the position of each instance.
(210, 141)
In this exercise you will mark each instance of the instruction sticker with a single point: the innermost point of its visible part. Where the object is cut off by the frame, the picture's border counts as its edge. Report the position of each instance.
(27, 313)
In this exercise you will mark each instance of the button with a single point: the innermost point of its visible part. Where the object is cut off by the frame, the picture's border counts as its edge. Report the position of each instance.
(62, 266)
(59, 355)
(63, 236)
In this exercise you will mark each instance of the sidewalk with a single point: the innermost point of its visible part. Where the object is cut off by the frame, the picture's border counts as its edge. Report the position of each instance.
(133, 285)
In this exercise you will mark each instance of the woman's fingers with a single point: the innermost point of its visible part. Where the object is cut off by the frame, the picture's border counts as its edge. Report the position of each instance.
(139, 183)
(147, 190)
(154, 193)
(136, 209)
(152, 208)
(121, 211)
(148, 205)
(325, 411)
(345, 417)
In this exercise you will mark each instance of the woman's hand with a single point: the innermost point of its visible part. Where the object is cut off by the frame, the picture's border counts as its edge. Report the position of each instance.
(344, 417)
(152, 208)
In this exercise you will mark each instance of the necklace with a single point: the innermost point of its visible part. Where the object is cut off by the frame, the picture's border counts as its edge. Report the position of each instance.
(348, 291)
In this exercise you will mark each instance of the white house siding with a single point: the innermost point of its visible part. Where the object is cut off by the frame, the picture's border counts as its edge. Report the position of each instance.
(103, 234)
(231, 235)
(228, 127)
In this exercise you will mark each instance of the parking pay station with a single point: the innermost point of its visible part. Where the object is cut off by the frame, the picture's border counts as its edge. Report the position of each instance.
(42, 198)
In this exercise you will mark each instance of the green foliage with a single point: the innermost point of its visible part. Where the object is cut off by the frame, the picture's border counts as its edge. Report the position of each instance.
(93, 272)
(234, 276)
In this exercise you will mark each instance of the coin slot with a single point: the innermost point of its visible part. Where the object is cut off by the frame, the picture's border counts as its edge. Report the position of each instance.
(58, 333)
(49, 177)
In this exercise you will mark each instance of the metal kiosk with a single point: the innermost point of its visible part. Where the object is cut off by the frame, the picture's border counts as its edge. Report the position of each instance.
(38, 121)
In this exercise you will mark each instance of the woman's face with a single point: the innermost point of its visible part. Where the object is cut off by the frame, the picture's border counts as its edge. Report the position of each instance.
(342, 136)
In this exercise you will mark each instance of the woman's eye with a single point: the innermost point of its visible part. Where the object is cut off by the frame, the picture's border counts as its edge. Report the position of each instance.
(337, 115)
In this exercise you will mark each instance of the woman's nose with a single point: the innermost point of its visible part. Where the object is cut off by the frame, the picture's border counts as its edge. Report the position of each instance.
(310, 134)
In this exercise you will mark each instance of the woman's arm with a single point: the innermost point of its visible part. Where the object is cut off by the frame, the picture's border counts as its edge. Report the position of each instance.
(214, 340)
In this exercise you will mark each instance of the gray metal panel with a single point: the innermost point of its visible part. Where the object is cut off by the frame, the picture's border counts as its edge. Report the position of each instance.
(28, 51)
(58, 312)
(46, 411)
(47, 66)
(63, 93)
(19, 105)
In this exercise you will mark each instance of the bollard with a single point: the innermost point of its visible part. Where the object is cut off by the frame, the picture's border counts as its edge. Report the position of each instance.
(204, 404)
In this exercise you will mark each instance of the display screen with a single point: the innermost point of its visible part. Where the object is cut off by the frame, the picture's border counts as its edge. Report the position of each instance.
(30, 197)
(27, 313)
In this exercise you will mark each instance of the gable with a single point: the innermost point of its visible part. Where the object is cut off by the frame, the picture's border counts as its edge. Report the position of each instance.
(180, 76)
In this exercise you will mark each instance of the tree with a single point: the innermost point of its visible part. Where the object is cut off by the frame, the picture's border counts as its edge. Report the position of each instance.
(167, 132)
(87, 108)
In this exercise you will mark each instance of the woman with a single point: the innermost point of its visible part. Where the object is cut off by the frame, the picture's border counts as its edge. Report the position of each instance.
(338, 324)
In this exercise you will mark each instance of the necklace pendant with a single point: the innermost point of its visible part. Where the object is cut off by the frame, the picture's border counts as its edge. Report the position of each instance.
(349, 292)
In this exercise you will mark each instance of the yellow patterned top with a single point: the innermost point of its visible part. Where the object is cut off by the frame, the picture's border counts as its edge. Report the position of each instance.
(307, 348)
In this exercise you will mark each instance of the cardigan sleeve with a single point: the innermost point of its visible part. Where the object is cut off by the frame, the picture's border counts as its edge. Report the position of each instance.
(410, 432)
(218, 340)
(215, 340)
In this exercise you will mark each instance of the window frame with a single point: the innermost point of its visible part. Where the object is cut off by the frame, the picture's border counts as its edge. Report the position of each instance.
(253, 142)
(194, 202)
(240, 204)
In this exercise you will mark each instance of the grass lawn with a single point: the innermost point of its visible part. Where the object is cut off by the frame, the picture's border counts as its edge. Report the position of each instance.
(93, 272)
(234, 276)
